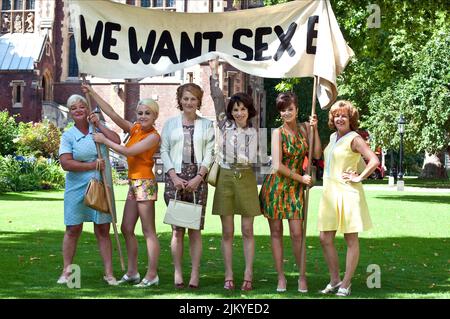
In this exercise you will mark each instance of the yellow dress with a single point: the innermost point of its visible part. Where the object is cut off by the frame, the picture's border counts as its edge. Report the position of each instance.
(343, 206)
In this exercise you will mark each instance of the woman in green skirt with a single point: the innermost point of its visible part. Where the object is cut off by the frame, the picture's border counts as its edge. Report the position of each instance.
(236, 190)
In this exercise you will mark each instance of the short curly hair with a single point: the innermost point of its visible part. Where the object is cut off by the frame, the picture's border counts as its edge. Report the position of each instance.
(192, 88)
(340, 107)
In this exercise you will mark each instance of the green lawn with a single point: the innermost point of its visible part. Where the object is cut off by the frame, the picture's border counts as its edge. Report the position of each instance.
(409, 241)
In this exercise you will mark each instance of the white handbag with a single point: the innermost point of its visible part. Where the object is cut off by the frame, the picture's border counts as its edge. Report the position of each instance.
(183, 214)
(213, 174)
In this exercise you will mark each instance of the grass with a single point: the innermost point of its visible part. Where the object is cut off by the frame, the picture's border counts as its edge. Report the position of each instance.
(409, 242)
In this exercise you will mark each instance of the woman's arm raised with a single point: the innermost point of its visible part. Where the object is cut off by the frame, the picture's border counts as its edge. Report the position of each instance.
(108, 109)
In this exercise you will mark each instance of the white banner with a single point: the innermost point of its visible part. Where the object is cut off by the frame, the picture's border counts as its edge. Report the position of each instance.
(295, 39)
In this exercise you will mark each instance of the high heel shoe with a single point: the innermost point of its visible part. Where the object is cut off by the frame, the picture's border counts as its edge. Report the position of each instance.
(330, 289)
(282, 289)
(344, 292)
(303, 291)
(131, 280)
(147, 283)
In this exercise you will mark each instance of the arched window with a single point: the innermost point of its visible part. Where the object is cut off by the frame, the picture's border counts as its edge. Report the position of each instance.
(73, 64)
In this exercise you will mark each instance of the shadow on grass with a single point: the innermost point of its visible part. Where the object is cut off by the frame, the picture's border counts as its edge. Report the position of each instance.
(438, 199)
(28, 196)
(410, 266)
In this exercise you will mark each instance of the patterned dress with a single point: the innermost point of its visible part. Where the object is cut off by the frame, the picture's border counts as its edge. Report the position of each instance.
(189, 170)
(282, 197)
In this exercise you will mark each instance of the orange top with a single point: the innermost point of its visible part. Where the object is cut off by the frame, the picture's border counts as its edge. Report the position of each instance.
(140, 166)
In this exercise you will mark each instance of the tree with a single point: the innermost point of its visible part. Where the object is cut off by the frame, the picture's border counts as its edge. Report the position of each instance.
(396, 69)
(424, 99)
(8, 132)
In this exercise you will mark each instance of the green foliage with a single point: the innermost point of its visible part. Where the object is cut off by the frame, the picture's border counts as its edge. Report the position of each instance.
(8, 132)
(402, 66)
(424, 99)
(39, 139)
(29, 174)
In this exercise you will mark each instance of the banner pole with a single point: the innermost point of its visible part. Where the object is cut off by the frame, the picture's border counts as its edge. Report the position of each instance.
(105, 185)
(308, 171)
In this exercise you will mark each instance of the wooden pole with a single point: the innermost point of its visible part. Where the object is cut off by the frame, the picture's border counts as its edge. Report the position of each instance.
(308, 171)
(105, 184)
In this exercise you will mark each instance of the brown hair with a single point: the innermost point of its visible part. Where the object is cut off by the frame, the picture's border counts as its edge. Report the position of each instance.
(192, 88)
(285, 99)
(343, 106)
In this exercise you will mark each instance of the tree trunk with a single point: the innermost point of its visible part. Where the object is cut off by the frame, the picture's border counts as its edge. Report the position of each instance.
(433, 167)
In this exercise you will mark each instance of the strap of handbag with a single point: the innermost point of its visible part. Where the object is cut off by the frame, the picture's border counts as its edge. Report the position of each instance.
(176, 192)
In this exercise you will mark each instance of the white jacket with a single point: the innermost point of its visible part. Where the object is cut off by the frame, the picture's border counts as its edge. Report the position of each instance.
(172, 140)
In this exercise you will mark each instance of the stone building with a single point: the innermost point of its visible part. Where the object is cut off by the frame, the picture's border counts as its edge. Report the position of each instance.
(38, 67)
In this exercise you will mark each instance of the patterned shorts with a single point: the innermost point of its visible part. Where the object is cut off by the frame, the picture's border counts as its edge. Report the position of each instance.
(142, 189)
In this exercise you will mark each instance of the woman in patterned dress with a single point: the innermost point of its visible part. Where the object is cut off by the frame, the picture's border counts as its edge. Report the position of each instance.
(78, 156)
(143, 189)
(343, 205)
(187, 146)
(281, 195)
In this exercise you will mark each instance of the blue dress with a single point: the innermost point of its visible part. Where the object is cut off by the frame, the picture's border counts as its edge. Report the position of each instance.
(82, 147)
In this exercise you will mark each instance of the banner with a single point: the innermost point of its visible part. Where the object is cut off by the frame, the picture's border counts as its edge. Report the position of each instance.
(295, 39)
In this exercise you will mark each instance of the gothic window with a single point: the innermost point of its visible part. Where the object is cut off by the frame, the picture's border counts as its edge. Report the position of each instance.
(73, 64)
(17, 16)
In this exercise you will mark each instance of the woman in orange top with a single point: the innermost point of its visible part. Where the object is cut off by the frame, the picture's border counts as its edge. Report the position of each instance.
(143, 143)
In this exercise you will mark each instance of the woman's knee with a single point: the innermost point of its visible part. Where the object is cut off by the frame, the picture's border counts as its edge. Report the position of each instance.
(127, 230)
(74, 231)
(276, 233)
(296, 235)
(247, 232)
(326, 239)
(101, 230)
(227, 234)
(178, 234)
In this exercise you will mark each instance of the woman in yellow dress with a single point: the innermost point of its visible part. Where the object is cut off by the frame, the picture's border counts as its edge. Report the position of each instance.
(343, 205)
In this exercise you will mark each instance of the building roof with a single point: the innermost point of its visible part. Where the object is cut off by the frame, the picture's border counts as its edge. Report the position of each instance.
(19, 51)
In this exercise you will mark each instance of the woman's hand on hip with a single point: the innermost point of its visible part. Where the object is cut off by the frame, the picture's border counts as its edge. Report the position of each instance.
(351, 177)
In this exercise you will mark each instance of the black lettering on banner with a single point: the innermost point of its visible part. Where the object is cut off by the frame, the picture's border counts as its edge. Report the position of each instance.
(242, 47)
(311, 35)
(212, 37)
(261, 46)
(166, 48)
(187, 50)
(109, 41)
(285, 41)
(138, 54)
(88, 43)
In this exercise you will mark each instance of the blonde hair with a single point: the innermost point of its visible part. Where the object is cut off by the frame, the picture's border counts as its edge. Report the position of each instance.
(152, 106)
(75, 98)
(340, 107)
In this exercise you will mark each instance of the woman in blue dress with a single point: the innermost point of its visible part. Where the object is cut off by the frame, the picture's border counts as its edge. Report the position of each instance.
(78, 156)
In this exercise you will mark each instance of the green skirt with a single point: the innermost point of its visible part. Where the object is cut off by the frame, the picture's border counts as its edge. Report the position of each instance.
(236, 193)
